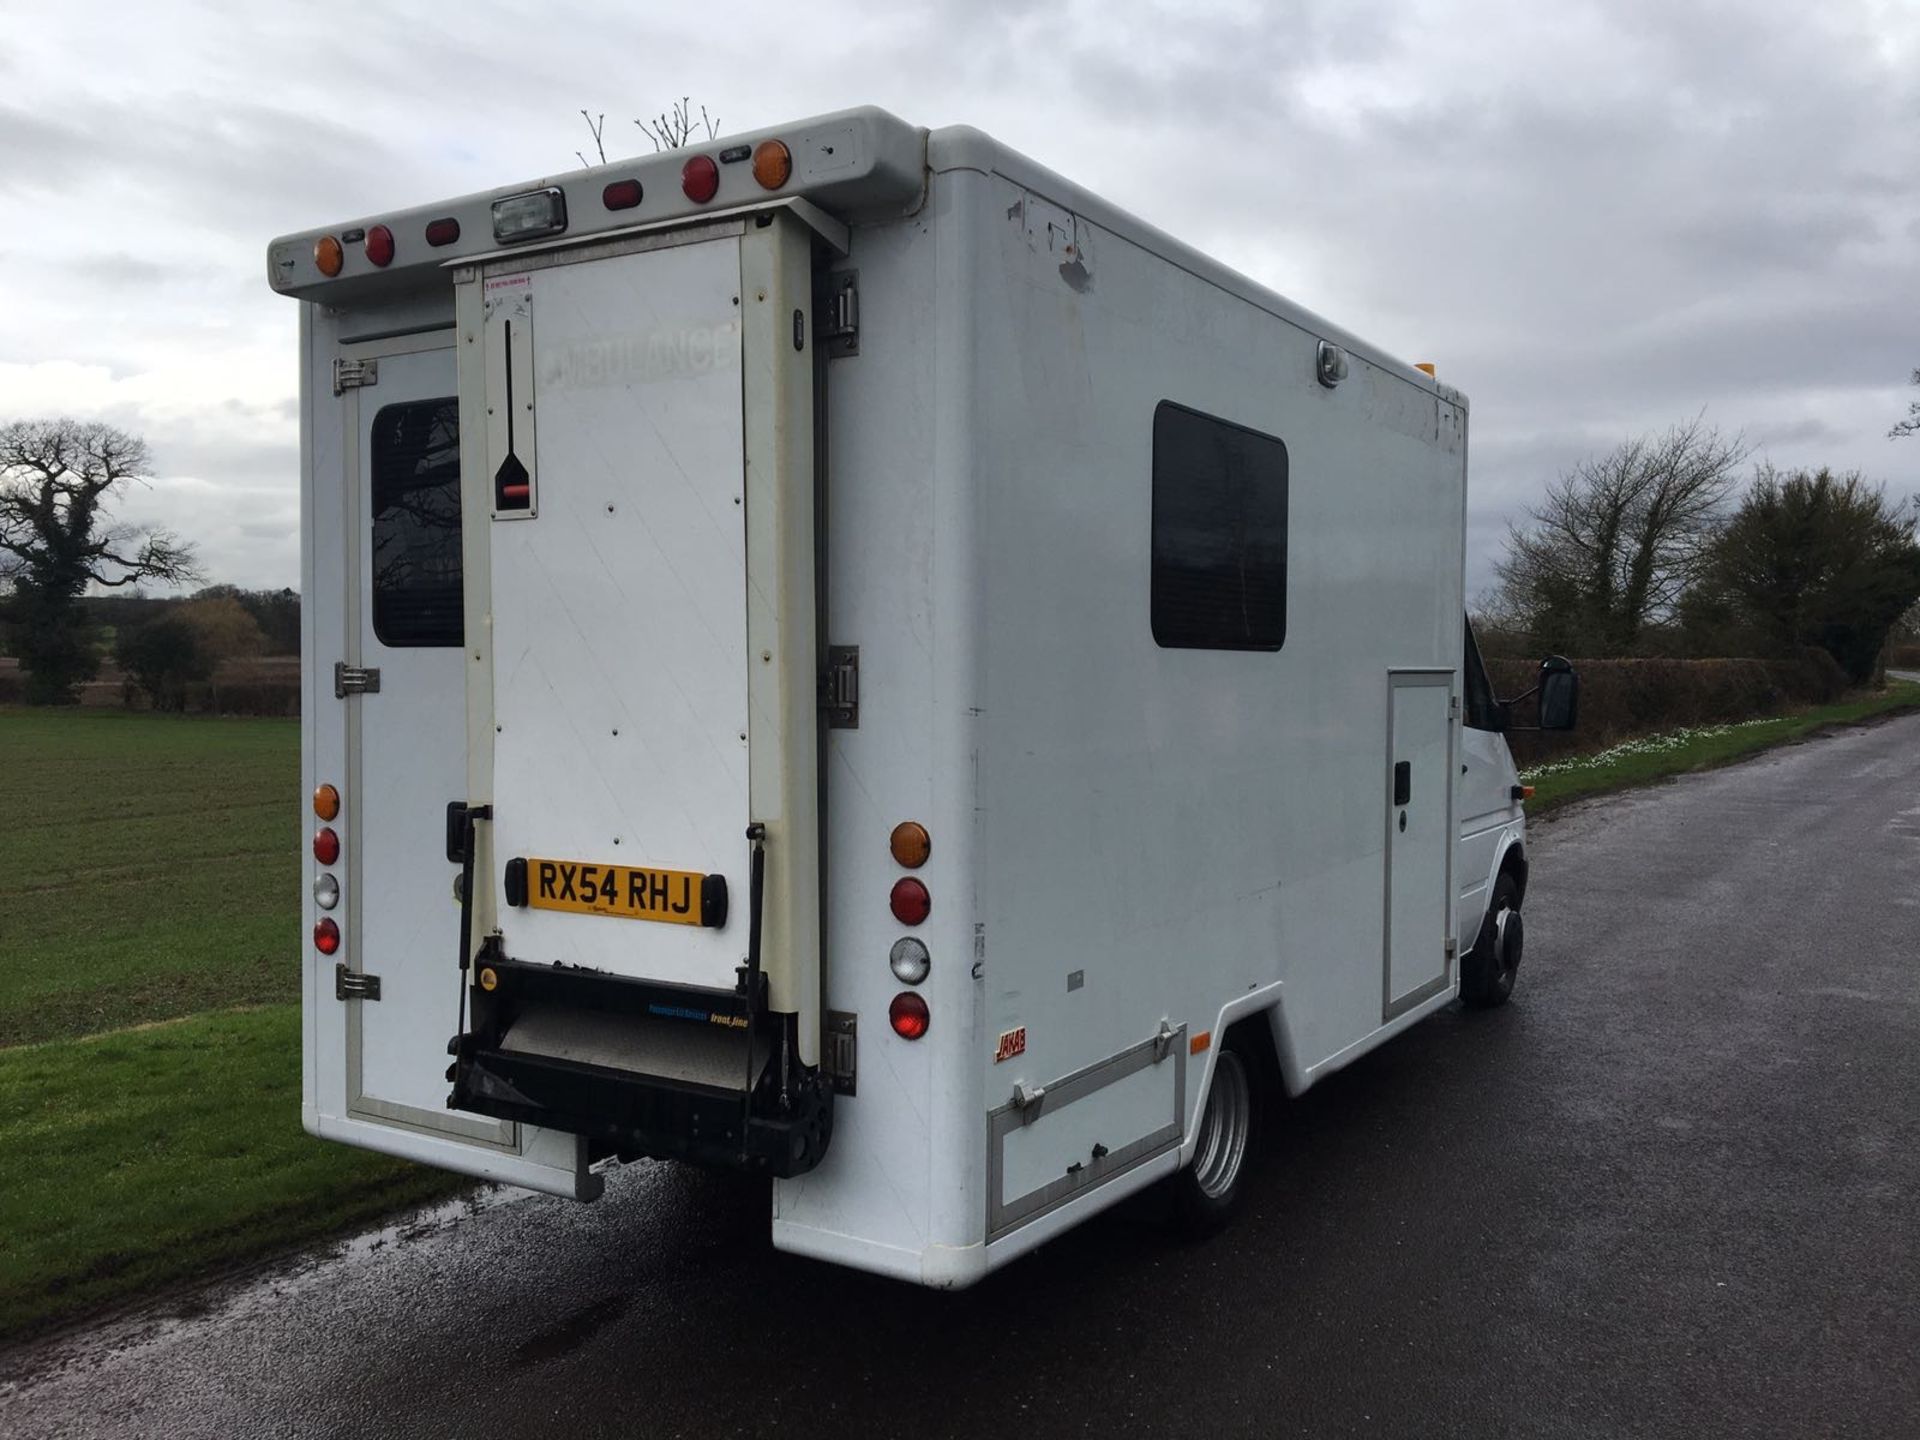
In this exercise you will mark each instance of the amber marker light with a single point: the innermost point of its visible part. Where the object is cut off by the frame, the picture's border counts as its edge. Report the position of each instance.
(772, 164)
(328, 257)
(1200, 1043)
(326, 802)
(910, 844)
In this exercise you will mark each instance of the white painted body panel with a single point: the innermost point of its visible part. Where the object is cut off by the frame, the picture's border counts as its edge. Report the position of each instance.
(373, 1072)
(1491, 823)
(619, 614)
(1126, 838)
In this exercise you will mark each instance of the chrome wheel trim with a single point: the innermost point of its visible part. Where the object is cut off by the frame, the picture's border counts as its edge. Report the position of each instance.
(1224, 1128)
(1501, 953)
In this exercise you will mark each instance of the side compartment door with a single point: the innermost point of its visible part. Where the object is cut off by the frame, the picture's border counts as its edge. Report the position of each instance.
(406, 747)
(1420, 838)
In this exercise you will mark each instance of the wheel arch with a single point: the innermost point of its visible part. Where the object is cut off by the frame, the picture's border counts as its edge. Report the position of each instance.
(1256, 1020)
(1513, 861)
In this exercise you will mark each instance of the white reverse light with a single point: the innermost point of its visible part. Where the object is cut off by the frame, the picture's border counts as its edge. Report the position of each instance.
(529, 216)
(910, 960)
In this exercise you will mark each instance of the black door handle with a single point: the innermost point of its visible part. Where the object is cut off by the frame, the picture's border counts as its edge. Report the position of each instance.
(1403, 782)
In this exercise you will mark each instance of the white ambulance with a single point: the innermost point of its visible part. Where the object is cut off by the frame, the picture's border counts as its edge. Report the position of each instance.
(840, 654)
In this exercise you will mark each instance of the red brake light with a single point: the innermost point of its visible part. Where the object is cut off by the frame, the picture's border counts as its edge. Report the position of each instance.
(380, 245)
(908, 1015)
(443, 232)
(621, 195)
(910, 901)
(700, 178)
(326, 938)
(326, 845)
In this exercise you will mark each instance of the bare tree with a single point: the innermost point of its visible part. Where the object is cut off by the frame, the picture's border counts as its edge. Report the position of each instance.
(673, 128)
(56, 479)
(1910, 425)
(1618, 538)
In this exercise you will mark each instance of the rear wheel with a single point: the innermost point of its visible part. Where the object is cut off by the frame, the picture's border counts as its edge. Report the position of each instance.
(1208, 1191)
(1487, 973)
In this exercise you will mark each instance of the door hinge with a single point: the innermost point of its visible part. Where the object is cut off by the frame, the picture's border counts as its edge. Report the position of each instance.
(1453, 706)
(838, 324)
(355, 680)
(840, 687)
(354, 374)
(354, 984)
(843, 1050)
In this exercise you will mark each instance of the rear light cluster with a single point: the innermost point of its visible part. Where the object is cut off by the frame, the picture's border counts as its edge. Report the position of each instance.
(326, 850)
(911, 903)
(539, 213)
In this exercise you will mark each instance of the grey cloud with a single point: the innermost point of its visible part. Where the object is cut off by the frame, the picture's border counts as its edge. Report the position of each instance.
(35, 150)
(1597, 217)
(121, 270)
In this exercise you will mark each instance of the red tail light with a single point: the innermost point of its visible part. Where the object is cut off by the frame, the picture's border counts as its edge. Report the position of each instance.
(908, 1015)
(700, 178)
(910, 901)
(621, 195)
(326, 845)
(326, 939)
(443, 232)
(380, 245)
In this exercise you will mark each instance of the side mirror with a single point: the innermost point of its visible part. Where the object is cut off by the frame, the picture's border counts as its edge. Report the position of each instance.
(1559, 694)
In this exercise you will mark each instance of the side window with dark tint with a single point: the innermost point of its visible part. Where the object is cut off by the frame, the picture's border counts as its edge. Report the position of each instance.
(416, 523)
(1482, 709)
(1219, 533)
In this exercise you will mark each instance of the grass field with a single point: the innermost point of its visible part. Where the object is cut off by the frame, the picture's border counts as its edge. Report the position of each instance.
(149, 873)
(1651, 758)
(149, 868)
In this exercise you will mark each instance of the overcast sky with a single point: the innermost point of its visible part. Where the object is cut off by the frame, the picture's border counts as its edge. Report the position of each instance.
(1597, 219)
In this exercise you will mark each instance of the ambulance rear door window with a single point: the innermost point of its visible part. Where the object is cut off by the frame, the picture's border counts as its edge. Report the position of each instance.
(415, 579)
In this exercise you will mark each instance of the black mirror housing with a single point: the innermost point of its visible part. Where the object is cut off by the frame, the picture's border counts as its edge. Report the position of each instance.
(1559, 694)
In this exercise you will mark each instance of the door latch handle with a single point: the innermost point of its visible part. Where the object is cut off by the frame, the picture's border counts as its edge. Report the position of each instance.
(1403, 782)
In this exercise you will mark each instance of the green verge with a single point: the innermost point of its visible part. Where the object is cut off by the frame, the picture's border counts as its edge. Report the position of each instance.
(1653, 758)
(144, 1157)
(149, 868)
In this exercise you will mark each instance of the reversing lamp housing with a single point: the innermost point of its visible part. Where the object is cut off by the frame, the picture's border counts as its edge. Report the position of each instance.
(531, 216)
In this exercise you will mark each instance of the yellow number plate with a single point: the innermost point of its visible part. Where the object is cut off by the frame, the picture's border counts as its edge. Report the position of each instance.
(588, 888)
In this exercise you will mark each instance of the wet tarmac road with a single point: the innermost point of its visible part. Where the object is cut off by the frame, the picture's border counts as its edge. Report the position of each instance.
(1673, 1189)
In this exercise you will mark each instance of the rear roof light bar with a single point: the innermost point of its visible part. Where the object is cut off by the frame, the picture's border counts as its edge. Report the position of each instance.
(851, 164)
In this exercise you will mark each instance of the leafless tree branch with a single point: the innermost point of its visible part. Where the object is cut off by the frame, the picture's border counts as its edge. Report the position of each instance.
(1910, 425)
(671, 129)
(596, 125)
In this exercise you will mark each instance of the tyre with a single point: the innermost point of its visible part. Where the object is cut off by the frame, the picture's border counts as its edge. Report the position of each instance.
(1487, 973)
(1209, 1190)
